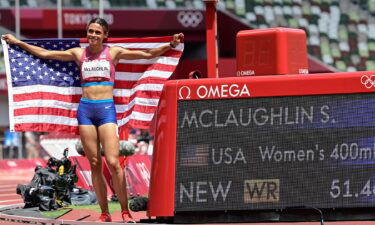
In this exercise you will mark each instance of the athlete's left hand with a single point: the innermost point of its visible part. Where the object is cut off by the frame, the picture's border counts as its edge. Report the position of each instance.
(177, 39)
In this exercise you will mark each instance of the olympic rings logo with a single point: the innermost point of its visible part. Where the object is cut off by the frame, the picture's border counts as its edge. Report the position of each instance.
(190, 18)
(368, 81)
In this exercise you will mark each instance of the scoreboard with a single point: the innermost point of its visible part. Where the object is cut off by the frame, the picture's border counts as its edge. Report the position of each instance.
(265, 143)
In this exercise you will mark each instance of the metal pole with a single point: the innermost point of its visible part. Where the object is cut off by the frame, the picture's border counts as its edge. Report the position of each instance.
(20, 145)
(101, 9)
(59, 19)
(211, 39)
(18, 23)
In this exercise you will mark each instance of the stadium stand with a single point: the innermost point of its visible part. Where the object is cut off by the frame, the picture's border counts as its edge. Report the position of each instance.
(339, 33)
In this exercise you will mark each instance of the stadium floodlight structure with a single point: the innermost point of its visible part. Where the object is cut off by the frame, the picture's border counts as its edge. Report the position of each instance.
(59, 16)
(211, 39)
(101, 8)
(59, 19)
(18, 25)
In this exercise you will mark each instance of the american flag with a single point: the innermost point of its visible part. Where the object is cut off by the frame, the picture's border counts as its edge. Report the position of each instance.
(194, 155)
(44, 94)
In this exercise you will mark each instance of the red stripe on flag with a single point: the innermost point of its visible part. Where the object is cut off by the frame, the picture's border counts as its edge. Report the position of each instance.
(136, 108)
(139, 94)
(42, 127)
(127, 84)
(141, 68)
(46, 96)
(45, 111)
(171, 53)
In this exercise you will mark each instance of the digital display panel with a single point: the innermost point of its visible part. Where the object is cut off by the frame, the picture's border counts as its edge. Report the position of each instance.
(276, 152)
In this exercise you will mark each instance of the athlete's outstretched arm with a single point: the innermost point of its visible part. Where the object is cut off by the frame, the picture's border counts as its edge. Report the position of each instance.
(123, 53)
(67, 55)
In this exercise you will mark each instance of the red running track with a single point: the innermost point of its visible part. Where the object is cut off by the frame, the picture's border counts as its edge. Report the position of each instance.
(8, 185)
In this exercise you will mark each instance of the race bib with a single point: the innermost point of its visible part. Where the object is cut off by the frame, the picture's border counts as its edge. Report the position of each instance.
(96, 68)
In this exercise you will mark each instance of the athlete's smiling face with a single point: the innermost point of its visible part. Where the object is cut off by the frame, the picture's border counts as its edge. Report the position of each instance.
(96, 34)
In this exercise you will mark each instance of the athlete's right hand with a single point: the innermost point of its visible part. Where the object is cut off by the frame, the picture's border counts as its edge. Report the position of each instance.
(10, 39)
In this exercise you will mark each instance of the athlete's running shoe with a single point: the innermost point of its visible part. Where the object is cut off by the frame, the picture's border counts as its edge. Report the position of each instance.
(104, 217)
(126, 217)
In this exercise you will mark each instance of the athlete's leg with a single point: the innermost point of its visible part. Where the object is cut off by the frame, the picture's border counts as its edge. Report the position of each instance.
(90, 143)
(109, 139)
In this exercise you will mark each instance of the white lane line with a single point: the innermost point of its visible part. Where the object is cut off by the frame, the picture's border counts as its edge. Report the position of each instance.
(8, 189)
(8, 195)
(12, 200)
(7, 192)
(7, 186)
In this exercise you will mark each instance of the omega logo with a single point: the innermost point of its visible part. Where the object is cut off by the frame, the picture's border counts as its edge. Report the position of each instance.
(184, 92)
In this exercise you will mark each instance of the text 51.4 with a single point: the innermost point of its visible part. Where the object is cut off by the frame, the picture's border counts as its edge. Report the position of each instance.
(343, 189)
